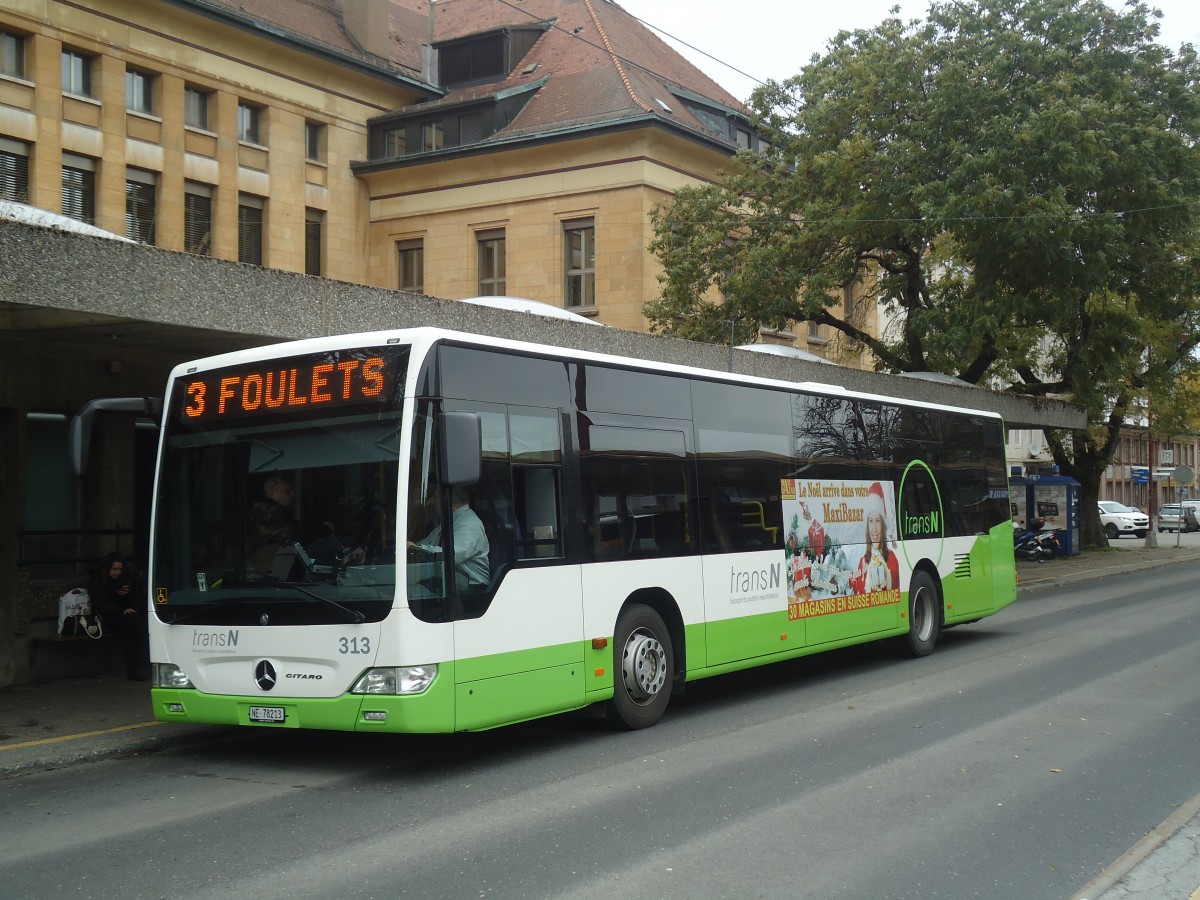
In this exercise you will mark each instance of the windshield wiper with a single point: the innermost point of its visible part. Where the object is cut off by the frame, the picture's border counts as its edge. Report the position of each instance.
(237, 600)
(352, 614)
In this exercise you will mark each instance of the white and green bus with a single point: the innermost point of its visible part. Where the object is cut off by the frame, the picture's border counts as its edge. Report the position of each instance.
(615, 528)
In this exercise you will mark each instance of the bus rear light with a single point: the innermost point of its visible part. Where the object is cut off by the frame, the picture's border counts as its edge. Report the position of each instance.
(395, 680)
(168, 675)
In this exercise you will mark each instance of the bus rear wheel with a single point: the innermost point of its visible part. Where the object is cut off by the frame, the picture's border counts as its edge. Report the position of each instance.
(643, 668)
(924, 616)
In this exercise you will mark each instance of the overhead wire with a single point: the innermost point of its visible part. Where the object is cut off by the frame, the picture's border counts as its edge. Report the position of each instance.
(649, 71)
(624, 59)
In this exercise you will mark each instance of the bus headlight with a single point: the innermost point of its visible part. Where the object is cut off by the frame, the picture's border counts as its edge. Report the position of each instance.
(169, 675)
(396, 680)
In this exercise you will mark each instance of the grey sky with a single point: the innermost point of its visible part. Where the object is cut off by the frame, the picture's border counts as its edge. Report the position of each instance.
(775, 38)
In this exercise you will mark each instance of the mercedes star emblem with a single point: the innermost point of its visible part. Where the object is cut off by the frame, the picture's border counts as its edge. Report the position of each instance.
(264, 675)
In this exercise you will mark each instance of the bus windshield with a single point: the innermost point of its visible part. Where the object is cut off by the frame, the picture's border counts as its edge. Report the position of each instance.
(277, 492)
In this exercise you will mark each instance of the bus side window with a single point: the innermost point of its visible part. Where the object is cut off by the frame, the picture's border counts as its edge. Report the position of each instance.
(607, 526)
(744, 510)
(535, 439)
(637, 487)
(536, 492)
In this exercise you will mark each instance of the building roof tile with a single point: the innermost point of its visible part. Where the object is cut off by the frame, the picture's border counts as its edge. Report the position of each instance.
(600, 64)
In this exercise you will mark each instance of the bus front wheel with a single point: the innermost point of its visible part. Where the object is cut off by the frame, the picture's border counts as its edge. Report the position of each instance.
(924, 616)
(643, 670)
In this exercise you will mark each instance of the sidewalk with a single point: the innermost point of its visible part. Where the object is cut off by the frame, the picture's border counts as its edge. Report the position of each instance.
(77, 720)
(1123, 556)
(60, 723)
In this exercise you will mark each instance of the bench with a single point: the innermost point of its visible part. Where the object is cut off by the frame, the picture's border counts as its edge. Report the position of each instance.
(51, 640)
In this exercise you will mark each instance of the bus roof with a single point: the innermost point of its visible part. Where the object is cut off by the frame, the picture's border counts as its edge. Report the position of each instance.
(422, 339)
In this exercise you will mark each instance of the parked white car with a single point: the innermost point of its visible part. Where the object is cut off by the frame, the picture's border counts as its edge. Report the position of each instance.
(1119, 519)
(1176, 517)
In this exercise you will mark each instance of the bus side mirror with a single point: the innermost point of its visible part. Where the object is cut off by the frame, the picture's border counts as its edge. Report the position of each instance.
(461, 437)
(79, 437)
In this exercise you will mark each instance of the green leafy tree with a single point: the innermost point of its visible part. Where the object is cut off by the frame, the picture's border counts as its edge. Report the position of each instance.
(1013, 183)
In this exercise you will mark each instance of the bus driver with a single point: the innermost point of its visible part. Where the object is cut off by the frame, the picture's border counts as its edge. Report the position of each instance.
(471, 567)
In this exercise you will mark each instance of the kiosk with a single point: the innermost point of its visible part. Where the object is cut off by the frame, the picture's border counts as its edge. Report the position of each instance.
(1054, 498)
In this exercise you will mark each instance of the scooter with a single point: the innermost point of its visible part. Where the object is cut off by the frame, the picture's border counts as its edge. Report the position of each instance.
(1026, 543)
(1048, 541)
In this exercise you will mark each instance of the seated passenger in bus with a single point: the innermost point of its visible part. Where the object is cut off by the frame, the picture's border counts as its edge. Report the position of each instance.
(471, 566)
(275, 527)
(273, 523)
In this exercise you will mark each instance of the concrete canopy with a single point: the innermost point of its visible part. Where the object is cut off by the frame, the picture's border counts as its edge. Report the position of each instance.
(129, 300)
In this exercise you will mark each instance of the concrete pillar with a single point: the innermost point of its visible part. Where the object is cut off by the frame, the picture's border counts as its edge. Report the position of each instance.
(12, 499)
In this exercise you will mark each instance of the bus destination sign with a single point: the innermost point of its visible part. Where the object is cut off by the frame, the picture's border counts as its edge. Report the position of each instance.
(345, 378)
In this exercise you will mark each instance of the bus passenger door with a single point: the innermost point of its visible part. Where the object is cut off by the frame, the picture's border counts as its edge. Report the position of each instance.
(518, 641)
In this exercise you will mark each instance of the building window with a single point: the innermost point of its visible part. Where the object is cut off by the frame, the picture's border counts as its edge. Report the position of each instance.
(433, 136)
(491, 263)
(79, 188)
(140, 191)
(410, 258)
(195, 108)
(314, 221)
(580, 243)
(249, 124)
(395, 143)
(473, 127)
(12, 54)
(14, 171)
(197, 219)
(250, 229)
(742, 137)
(76, 73)
(854, 308)
(139, 95)
(314, 141)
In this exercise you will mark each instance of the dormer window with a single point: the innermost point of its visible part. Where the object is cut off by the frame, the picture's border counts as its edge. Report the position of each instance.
(725, 122)
(431, 128)
(472, 61)
(484, 58)
(715, 121)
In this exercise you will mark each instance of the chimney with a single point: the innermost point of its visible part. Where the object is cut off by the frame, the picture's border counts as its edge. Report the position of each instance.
(367, 21)
(429, 57)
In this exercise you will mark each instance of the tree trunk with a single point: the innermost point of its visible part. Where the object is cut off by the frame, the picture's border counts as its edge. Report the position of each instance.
(1086, 465)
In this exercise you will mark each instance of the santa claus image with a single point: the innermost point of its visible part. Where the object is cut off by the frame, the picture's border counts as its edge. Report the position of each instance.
(879, 569)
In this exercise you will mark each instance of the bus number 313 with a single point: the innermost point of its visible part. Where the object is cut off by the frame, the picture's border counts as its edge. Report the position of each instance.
(354, 645)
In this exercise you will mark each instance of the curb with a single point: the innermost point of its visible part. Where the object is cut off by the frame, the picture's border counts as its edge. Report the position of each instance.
(118, 749)
(1060, 579)
(1141, 851)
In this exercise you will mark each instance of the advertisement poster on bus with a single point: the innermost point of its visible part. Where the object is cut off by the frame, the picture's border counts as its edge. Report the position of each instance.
(840, 546)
